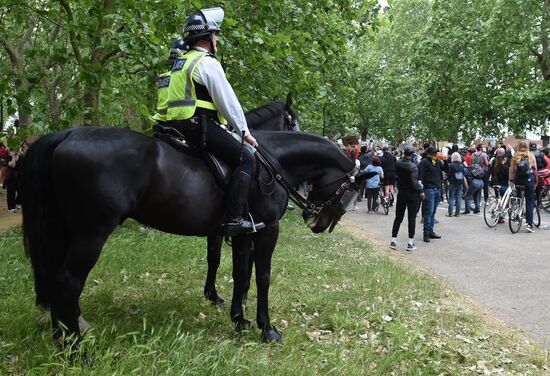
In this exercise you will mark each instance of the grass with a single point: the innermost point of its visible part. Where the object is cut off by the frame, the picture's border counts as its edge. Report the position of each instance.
(343, 308)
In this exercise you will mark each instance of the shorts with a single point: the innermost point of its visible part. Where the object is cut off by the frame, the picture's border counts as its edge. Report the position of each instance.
(390, 179)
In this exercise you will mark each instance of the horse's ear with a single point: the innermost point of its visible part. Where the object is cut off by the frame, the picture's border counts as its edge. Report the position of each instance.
(288, 100)
(276, 99)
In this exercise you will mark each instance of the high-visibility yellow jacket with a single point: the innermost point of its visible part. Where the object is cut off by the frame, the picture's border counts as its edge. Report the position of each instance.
(183, 101)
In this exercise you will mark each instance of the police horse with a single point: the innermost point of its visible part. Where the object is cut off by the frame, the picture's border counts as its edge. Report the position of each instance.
(274, 116)
(74, 197)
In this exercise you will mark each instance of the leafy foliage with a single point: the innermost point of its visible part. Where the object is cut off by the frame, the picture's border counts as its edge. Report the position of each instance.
(92, 62)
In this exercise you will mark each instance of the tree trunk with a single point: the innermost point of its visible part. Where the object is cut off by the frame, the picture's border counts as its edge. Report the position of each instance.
(91, 103)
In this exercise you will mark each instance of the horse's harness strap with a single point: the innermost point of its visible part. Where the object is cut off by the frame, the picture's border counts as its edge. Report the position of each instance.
(304, 203)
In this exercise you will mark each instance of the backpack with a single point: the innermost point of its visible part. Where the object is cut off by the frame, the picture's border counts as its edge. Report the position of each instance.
(477, 171)
(475, 168)
(456, 173)
(459, 177)
(522, 168)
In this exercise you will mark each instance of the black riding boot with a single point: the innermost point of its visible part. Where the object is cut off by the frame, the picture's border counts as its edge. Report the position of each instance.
(237, 193)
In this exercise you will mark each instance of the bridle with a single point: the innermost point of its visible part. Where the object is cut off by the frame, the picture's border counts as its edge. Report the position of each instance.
(343, 195)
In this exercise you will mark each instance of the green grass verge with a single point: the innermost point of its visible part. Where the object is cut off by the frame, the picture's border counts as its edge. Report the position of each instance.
(344, 309)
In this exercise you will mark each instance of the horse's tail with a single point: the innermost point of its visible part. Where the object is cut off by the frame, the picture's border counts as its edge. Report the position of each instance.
(43, 227)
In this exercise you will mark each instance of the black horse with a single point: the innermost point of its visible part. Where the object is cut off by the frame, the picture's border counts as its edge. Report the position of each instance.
(74, 197)
(274, 116)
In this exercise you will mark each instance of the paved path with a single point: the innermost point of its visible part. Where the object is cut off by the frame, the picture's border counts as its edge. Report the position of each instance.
(507, 273)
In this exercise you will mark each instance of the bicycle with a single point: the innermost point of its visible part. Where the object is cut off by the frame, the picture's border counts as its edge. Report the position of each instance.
(517, 212)
(445, 187)
(496, 208)
(384, 201)
(544, 192)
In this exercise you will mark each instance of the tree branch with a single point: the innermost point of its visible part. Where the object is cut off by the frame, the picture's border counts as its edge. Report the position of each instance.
(72, 34)
(10, 50)
(27, 36)
(107, 57)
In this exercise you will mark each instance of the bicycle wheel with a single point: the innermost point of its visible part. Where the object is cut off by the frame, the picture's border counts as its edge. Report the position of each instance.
(490, 213)
(545, 200)
(536, 216)
(515, 214)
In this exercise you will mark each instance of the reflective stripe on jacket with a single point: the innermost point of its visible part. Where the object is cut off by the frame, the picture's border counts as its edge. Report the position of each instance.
(162, 96)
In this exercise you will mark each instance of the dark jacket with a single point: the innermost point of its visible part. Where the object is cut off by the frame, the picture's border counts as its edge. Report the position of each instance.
(429, 173)
(365, 160)
(455, 167)
(407, 176)
(388, 161)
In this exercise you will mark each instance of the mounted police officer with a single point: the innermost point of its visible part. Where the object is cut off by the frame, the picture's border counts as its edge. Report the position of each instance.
(200, 99)
(177, 50)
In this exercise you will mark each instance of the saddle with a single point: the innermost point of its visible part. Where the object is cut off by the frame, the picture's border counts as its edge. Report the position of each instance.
(220, 169)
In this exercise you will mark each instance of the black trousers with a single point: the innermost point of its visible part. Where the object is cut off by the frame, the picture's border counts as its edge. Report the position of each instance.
(411, 202)
(224, 146)
(372, 198)
(12, 187)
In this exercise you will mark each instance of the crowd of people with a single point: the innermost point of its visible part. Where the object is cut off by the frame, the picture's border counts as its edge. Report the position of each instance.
(10, 165)
(421, 174)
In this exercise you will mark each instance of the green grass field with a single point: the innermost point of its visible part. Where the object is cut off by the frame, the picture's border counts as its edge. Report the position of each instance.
(343, 308)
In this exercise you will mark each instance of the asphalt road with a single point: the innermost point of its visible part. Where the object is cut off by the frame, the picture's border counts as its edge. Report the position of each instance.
(507, 273)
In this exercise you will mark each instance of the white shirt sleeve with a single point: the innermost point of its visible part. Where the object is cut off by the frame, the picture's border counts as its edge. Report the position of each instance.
(210, 74)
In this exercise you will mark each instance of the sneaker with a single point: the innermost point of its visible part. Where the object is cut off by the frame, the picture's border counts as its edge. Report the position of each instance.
(12, 210)
(393, 245)
(18, 207)
(530, 228)
(411, 247)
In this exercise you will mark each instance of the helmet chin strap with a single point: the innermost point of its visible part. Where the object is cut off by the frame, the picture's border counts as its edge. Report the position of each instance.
(211, 41)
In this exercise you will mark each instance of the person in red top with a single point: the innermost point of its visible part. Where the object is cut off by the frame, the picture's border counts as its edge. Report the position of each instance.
(468, 157)
(546, 152)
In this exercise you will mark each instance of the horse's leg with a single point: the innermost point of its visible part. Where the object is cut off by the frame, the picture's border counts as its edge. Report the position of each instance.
(214, 247)
(242, 246)
(264, 245)
(249, 275)
(82, 254)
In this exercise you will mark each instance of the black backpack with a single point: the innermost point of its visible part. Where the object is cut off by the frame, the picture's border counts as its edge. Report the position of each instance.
(522, 168)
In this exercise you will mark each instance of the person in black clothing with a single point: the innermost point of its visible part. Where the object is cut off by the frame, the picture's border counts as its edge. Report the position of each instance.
(388, 161)
(364, 161)
(430, 173)
(408, 197)
(14, 162)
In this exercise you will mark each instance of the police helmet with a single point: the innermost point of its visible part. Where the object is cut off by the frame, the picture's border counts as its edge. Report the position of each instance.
(202, 24)
(178, 48)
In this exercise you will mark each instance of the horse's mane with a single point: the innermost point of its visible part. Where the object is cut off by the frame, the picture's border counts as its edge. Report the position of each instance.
(281, 144)
(258, 115)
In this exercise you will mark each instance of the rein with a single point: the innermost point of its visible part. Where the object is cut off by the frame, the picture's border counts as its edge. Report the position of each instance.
(301, 202)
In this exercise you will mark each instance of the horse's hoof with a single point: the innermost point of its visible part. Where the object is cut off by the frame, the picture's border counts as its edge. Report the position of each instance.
(83, 325)
(271, 335)
(215, 299)
(242, 325)
(44, 318)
